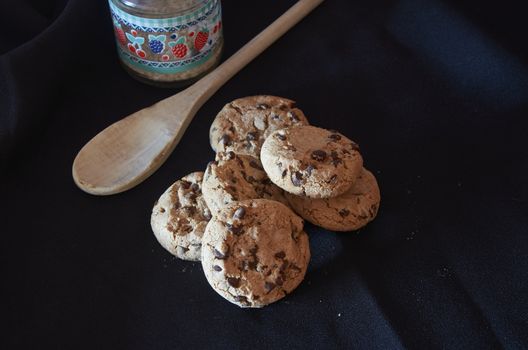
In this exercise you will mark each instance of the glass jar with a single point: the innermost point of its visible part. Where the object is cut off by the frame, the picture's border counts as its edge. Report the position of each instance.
(168, 42)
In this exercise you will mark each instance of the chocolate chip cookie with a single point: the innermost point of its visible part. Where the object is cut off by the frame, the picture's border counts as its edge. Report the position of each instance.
(311, 161)
(234, 177)
(349, 211)
(180, 216)
(254, 252)
(243, 125)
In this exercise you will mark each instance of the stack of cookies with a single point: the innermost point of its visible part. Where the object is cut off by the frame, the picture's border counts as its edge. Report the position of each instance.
(237, 217)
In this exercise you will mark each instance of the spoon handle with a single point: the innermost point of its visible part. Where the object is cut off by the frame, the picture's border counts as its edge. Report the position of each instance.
(203, 89)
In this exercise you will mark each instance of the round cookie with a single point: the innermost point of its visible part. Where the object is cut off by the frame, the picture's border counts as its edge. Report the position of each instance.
(311, 161)
(255, 252)
(234, 177)
(243, 125)
(347, 212)
(180, 216)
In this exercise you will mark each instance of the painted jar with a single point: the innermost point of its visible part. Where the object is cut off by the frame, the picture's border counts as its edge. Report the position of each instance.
(168, 42)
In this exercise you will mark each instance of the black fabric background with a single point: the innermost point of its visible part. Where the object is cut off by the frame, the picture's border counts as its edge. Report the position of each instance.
(436, 94)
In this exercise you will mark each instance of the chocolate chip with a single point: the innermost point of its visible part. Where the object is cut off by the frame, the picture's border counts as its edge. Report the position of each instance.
(373, 210)
(280, 136)
(182, 250)
(225, 139)
(251, 136)
(217, 268)
(344, 212)
(239, 213)
(319, 155)
(269, 286)
(185, 184)
(230, 155)
(335, 158)
(195, 187)
(296, 178)
(295, 267)
(335, 137)
(333, 179)
(293, 116)
(280, 255)
(190, 210)
(252, 265)
(263, 106)
(284, 265)
(275, 116)
(284, 173)
(234, 229)
(233, 281)
(219, 255)
(266, 181)
(295, 236)
(279, 281)
(354, 146)
(251, 179)
(232, 129)
(241, 298)
(309, 169)
(255, 165)
(231, 189)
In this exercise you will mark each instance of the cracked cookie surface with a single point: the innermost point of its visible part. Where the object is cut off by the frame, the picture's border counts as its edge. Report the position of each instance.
(311, 161)
(234, 177)
(347, 212)
(243, 125)
(255, 252)
(180, 216)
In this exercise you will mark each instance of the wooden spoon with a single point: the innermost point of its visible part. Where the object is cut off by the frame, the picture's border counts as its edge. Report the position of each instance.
(128, 151)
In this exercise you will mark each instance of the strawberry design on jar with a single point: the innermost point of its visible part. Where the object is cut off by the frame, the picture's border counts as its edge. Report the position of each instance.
(201, 39)
(179, 48)
(119, 33)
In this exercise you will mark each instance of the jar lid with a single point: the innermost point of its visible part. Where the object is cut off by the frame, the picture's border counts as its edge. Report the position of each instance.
(159, 8)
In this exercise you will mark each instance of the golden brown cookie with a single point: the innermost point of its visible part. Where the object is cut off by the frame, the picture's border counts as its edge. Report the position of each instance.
(311, 161)
(234, 177)
(179, 217)
(255, 252)
(243, 125)
(349, 211)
